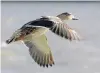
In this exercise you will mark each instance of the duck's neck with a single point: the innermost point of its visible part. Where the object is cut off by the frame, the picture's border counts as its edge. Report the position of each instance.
(62, 17)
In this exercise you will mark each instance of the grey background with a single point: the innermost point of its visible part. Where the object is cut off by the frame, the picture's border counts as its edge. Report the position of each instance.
(50, 0)
(70, 57)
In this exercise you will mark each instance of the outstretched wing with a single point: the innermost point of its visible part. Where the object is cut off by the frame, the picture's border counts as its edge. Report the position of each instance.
(39, 50)
(56, 25)
(65, 31)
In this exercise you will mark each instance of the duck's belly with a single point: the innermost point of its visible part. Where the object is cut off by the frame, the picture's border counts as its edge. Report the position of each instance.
(37, 33)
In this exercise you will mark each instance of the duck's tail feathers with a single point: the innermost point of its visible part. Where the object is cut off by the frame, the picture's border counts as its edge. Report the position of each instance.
(9, 40)
(15, 35)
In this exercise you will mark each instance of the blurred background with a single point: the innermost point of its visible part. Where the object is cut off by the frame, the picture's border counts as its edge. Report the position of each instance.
(70, 57)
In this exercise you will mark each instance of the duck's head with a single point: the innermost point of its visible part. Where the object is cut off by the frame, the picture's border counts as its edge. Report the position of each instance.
(66, 16)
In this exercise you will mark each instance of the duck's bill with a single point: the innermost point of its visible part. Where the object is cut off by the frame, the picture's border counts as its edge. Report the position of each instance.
(74, 19)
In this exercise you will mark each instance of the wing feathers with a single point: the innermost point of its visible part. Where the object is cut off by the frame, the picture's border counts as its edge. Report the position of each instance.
(40, 51)
(64, 31)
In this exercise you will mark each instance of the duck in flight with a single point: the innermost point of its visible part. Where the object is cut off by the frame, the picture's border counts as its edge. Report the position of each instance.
(33, 36)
